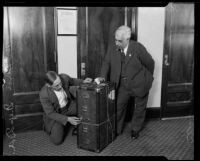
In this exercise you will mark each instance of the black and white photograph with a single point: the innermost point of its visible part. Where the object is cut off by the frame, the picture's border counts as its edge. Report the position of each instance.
(99, 80)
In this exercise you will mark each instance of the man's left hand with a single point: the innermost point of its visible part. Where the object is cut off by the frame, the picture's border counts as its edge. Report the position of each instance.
(87, 80)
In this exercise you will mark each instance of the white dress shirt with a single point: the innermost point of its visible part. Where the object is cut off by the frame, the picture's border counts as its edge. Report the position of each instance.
(125, 50)
(62, 97)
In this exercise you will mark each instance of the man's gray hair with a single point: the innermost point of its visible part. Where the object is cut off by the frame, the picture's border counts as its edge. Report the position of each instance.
(125, 31)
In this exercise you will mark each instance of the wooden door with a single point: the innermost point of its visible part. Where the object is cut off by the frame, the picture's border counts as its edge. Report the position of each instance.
(96, 36)
(29, 53)
(178, 61)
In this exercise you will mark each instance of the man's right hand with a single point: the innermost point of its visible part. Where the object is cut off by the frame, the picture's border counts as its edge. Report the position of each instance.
(99, 80)
(74, 120)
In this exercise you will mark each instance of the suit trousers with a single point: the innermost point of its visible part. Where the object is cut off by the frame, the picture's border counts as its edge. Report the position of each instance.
(57, 133)
(139, 112)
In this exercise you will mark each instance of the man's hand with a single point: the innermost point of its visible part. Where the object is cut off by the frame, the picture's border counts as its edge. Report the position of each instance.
(111, 95)
(74, 120)
(87, 80)
(99, 80)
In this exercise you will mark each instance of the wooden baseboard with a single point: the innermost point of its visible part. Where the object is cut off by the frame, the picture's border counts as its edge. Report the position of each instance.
(178, 112)
(153, 113)
(181, 117)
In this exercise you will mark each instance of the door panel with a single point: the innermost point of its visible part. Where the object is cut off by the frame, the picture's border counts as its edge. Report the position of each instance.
(28, 48)
(28, 37)
(177, 87)
(181, 64)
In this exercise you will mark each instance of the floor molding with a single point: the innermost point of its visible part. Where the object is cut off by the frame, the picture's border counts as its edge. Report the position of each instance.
(181, 117)
(153, 112)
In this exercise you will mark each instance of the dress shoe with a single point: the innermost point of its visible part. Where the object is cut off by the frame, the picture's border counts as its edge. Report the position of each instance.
(44, 129)
(134, 134)
(74, 131)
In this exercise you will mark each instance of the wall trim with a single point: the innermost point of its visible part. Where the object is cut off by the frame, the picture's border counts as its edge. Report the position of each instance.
(181, 117)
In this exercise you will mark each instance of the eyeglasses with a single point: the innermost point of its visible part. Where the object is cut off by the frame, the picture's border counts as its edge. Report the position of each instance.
(118, 40)
(121, 40)
(57, 85)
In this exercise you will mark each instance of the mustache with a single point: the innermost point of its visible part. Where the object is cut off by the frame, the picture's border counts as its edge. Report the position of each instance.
(118, 48)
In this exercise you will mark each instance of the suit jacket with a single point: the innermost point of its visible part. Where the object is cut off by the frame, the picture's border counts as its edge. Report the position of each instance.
(139, 68)
(51, 104)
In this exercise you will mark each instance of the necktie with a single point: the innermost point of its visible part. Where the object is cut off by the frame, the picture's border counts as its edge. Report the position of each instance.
(122, 56)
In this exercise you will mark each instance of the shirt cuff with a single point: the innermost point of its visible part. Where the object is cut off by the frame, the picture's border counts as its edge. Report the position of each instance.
(66, 120)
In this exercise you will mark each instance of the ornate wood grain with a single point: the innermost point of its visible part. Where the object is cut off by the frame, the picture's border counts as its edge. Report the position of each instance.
(28, 47)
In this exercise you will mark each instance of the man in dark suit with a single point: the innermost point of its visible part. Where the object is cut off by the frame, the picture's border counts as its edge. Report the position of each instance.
(131, 68)
(59, 104)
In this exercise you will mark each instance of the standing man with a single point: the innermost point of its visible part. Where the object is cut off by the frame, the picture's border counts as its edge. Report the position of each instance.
(59, 104)
(131, 68)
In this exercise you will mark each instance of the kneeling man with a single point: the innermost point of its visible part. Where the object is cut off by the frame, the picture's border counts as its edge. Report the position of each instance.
(59, 104)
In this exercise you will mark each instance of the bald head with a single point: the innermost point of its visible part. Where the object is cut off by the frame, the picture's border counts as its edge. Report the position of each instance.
(122, 36)
(123, 32)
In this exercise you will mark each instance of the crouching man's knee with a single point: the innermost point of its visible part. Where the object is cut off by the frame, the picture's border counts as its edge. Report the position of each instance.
(57, 134)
